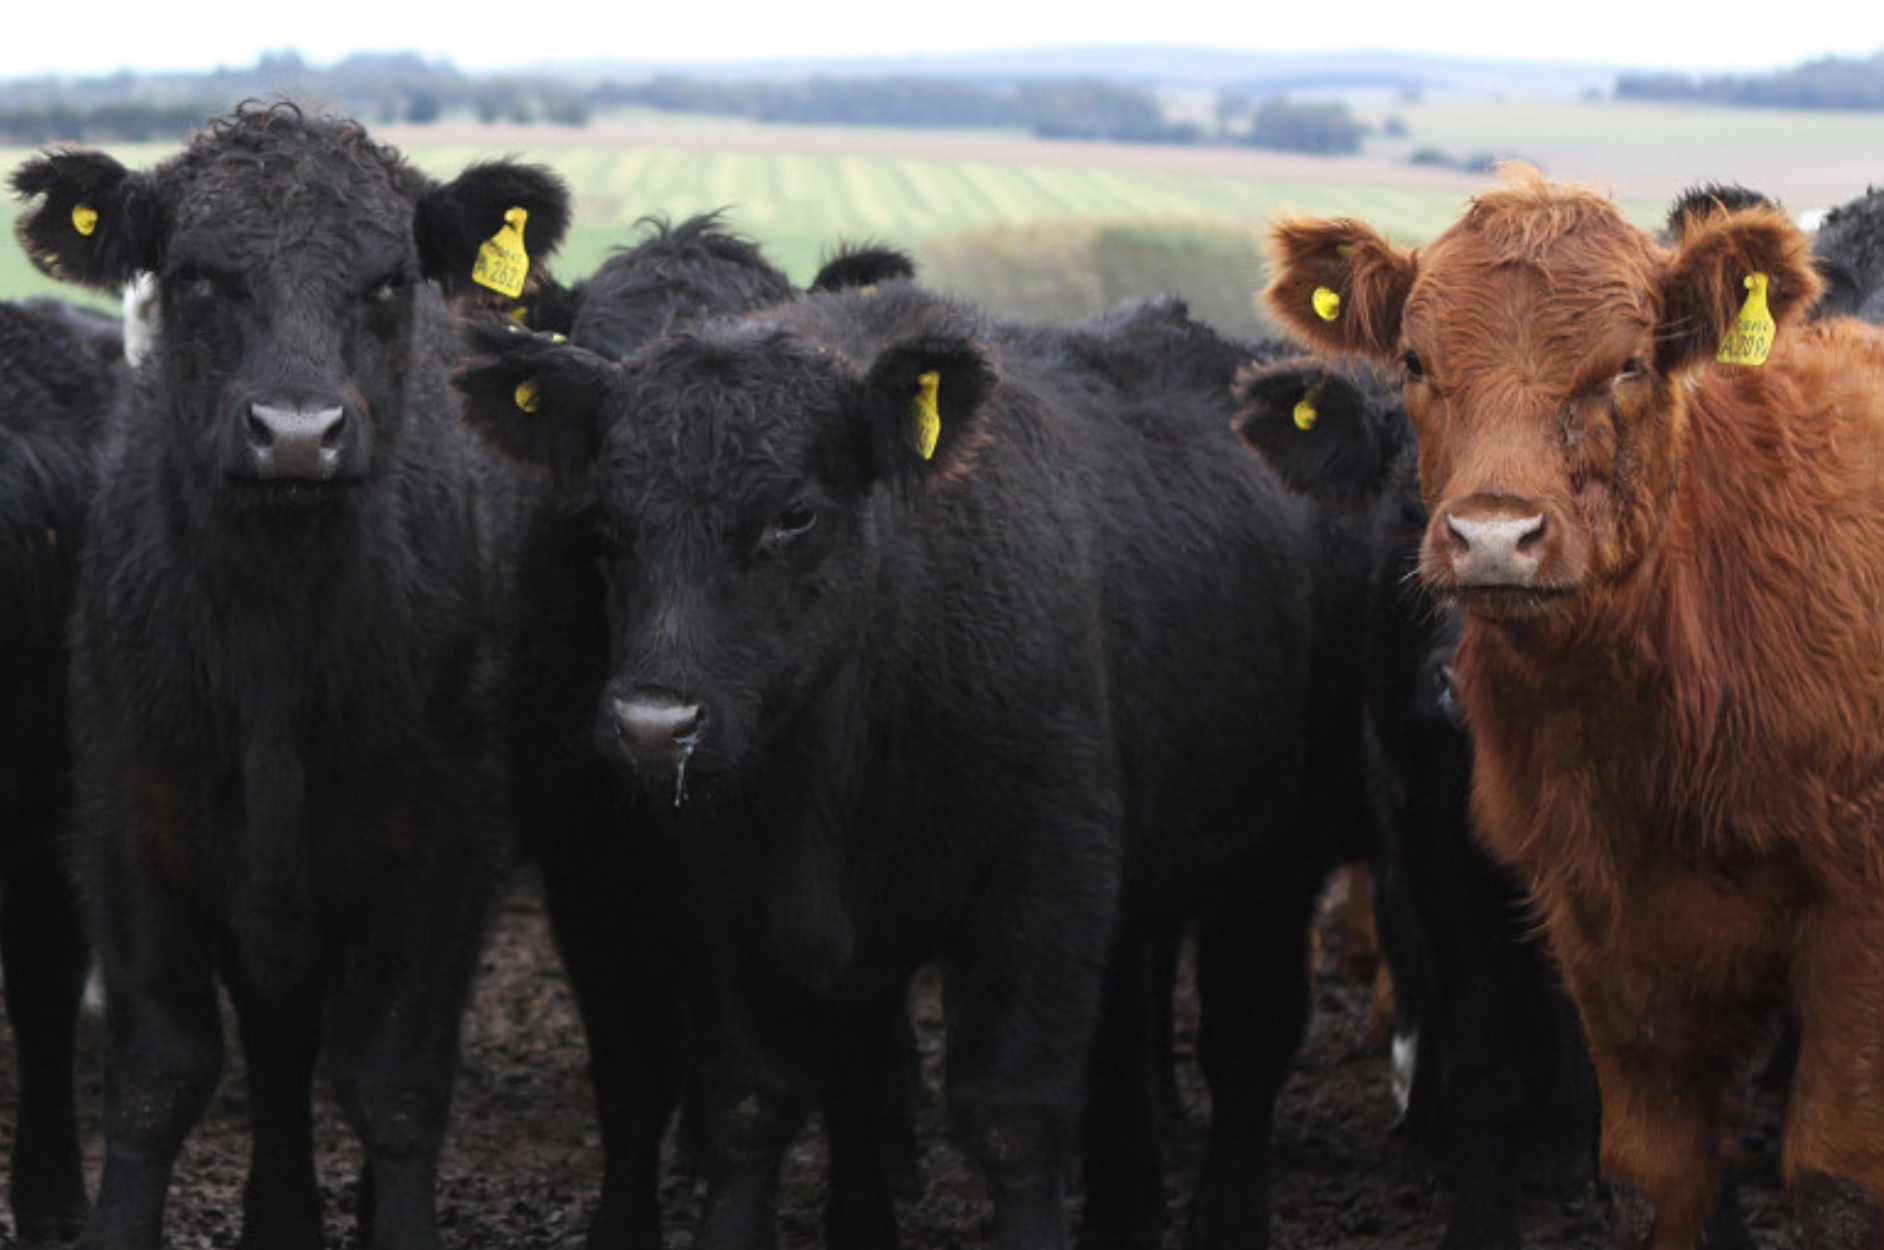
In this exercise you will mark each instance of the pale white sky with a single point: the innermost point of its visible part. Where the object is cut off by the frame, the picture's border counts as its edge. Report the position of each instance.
(46, 37)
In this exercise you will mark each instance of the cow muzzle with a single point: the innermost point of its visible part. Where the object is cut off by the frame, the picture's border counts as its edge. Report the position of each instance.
(297, 442)
(1496, 551)
(657, 731)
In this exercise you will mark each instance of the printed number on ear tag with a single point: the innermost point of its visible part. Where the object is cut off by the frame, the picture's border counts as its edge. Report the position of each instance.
(1750, 338)
(502, 264)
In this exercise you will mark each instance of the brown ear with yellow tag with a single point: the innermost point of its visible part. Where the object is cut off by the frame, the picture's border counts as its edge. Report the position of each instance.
(1735, 282)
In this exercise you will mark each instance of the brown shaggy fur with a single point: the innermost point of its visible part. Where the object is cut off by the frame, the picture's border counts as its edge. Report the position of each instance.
(1679, 706)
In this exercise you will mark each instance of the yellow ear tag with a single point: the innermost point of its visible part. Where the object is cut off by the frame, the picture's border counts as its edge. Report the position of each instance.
(1751, 337)
(928, 416)
(502, 264)
(1305, 414)
(526, 396)
(84, 219)
(520, 314)
(1327, 303)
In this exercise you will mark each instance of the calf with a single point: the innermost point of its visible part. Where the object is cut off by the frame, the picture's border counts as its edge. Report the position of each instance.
(286, 651)
(918, 631)
(616, 897)
(1501, 1079)
(1669, 556)
(60, 381)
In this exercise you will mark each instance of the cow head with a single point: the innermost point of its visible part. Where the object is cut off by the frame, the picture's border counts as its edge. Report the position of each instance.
(738, 476)
(292, 254)
(1547, 346)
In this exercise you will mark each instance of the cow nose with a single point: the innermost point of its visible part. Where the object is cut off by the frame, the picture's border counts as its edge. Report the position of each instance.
(656, 727)
(296, 441)
(1495, 552)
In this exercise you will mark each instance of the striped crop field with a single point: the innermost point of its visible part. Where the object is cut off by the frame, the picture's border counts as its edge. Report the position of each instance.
(957, 201)
(1052, 229)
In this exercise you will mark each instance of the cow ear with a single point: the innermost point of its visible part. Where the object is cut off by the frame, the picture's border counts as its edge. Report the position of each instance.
(488, 231)
(536, 398)
(1339, 286)
(96, 223)
(1737, 279)
(925, 406)
(1318, 429)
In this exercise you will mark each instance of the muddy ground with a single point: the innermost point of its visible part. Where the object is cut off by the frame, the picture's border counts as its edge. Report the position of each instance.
(523, 1160)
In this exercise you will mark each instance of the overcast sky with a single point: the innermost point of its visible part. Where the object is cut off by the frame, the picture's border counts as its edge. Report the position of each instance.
(44, 37)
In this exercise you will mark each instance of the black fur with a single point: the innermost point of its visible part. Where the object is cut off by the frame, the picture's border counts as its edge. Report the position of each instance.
(285, 685)
(1707, 198)
(858, 266)
(958, 707)
(59, 381)
(1849, 252)
(618, 895)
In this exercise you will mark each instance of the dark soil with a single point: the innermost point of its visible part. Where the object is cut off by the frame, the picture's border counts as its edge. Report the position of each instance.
(523, 1160)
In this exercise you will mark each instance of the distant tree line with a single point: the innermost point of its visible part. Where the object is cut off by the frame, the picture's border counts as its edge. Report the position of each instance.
(1830, 83)
(405, 87)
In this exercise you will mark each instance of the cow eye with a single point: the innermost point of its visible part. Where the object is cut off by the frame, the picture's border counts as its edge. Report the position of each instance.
(1414, 366)
(388, 287)
(793, 523)
(1632, 369)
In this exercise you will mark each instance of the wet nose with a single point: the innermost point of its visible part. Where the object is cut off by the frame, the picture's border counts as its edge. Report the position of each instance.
(296, 441)
(1501, 551)
(656, 727)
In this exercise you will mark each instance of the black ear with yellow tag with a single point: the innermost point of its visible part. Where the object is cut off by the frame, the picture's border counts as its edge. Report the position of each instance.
(488, 231)
(925, 404)
(1326, 430)
(535, 397)
(96, 223)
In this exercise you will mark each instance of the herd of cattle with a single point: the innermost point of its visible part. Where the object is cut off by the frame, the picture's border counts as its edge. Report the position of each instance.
(804, 637)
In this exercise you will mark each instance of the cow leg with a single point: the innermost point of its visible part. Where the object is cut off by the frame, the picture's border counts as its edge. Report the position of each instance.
(281, 1204)
(42, 952)
(864, 1088)
(753, 1107)
(1252, 989)
(1834, 1142)
(1022, 1008)
(395, 1016)
(1123, 1180)
(1665, 1141)
(633, 1017)
(163, 1058)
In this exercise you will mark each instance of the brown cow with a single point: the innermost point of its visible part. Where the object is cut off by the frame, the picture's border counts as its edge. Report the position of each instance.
(1673, 662)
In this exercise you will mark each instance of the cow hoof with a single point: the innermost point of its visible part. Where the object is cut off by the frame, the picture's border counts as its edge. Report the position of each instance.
(1835, 1213)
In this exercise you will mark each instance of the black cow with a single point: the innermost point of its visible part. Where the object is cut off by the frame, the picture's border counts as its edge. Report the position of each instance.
(60, 377)
(616, 891)
(1502, 1083)
(924, 633)
(617, 904)
(1848, 250)
(287, 650)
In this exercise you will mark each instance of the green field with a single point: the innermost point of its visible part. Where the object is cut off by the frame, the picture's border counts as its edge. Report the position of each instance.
(1055, 230)
(969, 221)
